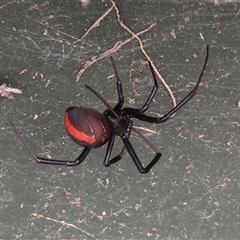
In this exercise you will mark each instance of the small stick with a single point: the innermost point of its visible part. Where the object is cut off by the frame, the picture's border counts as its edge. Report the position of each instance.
(96, 24)
(8, 91)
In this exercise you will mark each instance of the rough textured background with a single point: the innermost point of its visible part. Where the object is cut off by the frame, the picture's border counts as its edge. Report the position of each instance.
(193, 191)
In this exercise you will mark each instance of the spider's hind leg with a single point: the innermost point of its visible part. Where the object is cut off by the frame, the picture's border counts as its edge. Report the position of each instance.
(41, 160)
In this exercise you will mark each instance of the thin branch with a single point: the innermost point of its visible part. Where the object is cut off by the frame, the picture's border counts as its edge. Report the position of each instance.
(8, 91)
(96, 24)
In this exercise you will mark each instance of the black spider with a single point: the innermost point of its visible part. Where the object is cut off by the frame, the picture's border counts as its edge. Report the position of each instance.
(91, 129)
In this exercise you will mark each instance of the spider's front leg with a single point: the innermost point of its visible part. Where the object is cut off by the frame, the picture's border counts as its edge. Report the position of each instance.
(119, 87)
(137, 113)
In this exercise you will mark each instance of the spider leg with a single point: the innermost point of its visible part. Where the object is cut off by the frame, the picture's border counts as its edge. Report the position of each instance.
(153, 92)
(107, 162)
(76, 162)
(119, 87)
(133, 112)
(120, 92)
(134, 156)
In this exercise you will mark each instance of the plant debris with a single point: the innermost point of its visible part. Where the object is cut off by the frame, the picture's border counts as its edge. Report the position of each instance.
(8, 91)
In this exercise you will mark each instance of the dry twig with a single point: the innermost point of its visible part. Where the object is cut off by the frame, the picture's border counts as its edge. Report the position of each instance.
(96, 24)
(8, 91)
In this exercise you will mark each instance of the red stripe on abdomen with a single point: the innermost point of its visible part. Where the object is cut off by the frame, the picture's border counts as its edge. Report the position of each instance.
(81, 136)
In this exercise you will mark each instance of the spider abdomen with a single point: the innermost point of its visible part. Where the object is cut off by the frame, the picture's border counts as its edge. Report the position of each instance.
(87, 127)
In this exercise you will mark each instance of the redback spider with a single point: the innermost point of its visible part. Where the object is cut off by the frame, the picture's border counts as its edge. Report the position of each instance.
(91, 129)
